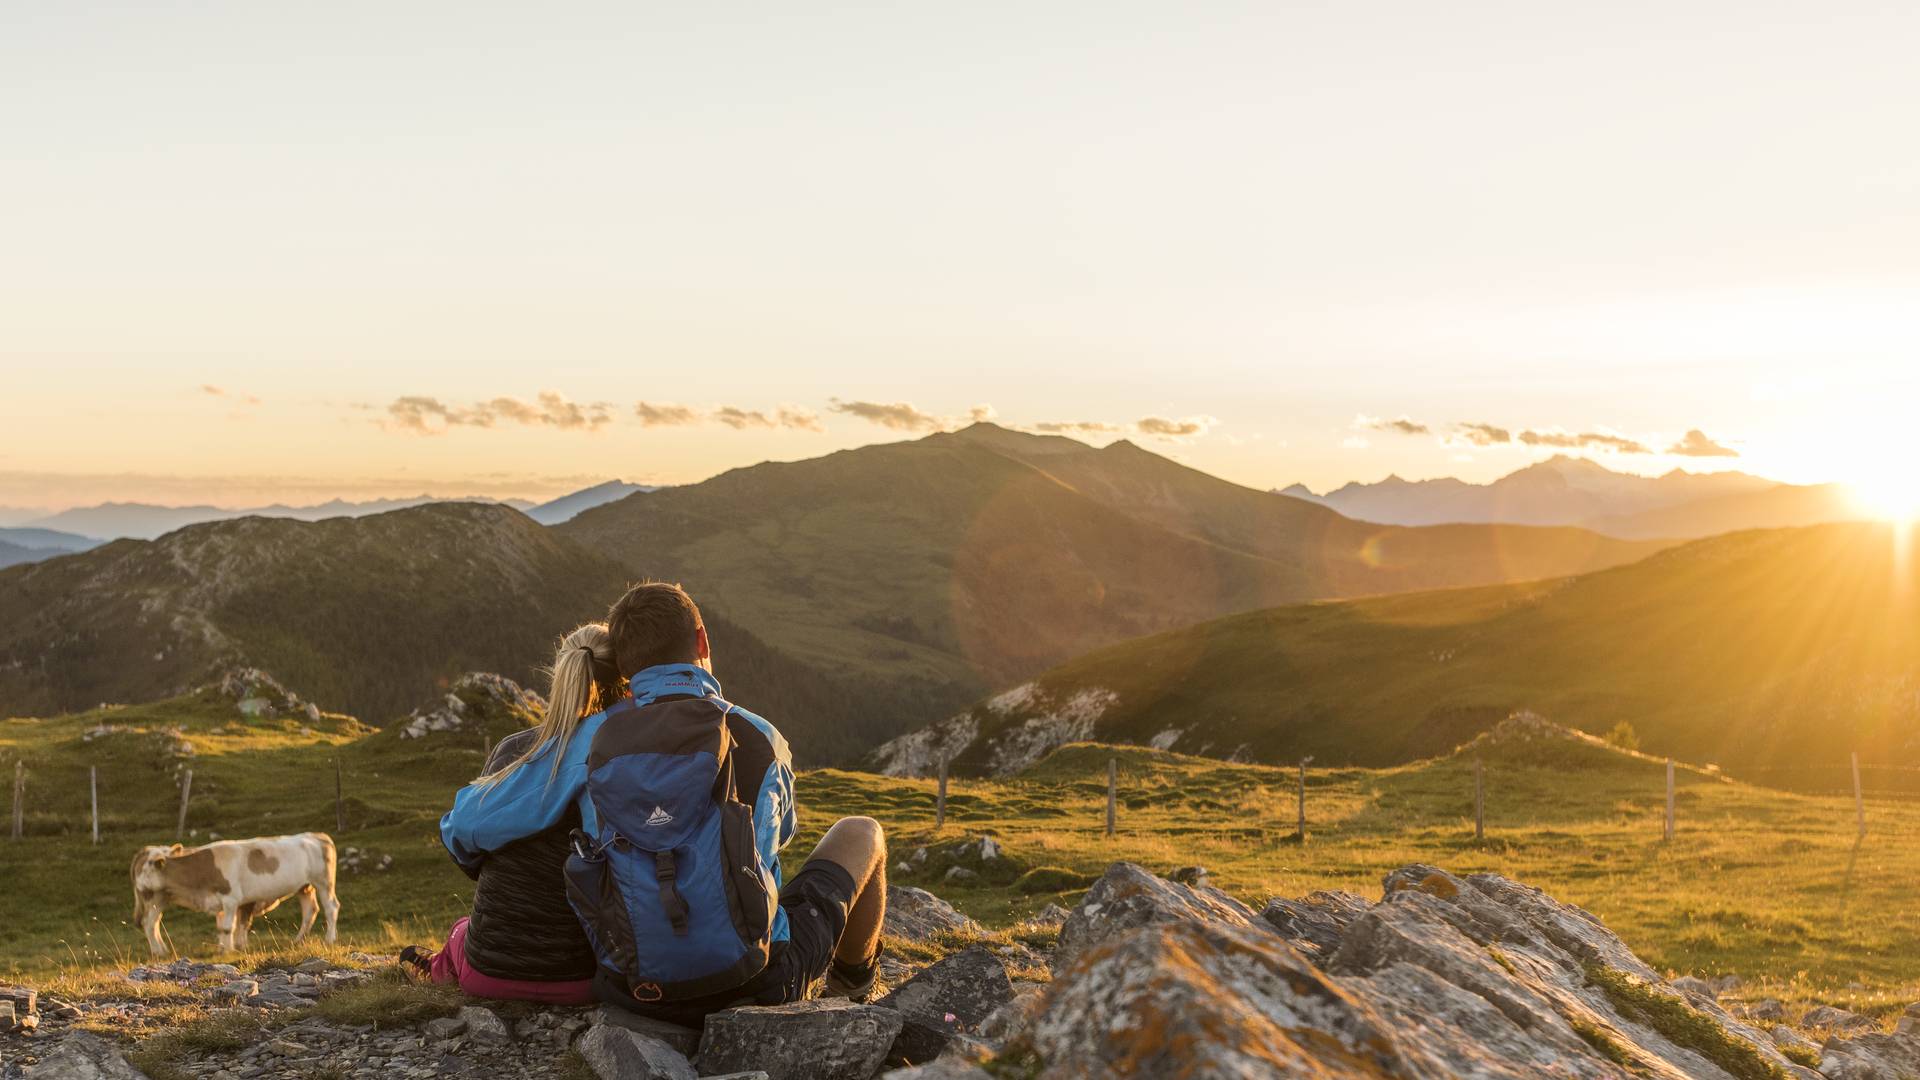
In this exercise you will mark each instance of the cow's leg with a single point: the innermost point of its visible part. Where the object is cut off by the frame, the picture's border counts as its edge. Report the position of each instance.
(309, 907)
(243, 924)
(223, 923)
(329, 903)
(150, 926)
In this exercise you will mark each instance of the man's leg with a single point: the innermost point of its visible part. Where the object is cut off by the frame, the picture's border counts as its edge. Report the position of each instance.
(858, 846)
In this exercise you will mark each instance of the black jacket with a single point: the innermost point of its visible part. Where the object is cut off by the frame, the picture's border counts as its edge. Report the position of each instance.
(522, 926)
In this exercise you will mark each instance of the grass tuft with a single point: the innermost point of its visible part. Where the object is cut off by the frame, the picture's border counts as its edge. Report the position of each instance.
(392, 999)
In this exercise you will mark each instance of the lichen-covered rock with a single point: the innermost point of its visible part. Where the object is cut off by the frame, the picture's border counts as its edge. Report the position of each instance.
(807, 1040)
(84, 1056)
(948, 1000)
(1313, 924)
(917, 915)
(940, 1070)
(1127, 897)
(1203, 998)
(1445, 977)
(614, 1053)
(1871, 1057)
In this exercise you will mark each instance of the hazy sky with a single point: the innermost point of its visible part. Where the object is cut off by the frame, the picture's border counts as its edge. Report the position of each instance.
(271, 250)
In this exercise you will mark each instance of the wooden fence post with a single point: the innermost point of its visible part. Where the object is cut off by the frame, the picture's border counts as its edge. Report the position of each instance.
(1479, 801)
(1113, 786)
(1302, 826)
(1669, 830)
(186, 792)
(1859, 797)
(339, 799)
(93, 792)
(940, 798)
(19, 796)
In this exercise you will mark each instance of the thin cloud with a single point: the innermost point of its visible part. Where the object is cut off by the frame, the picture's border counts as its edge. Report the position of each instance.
(980, 414)
(1585, 441)
(1078, 427)
(1696, 444)
(1485, 434)
(222, 392)
(797, 418)
(656, 414)
(1401, 426)
(431, 416)
(1162, 428)
(740, 419)
(897, 416)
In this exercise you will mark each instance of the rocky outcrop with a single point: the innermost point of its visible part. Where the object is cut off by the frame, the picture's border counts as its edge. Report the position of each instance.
(1444, 977)
(258, 694)
(1128, 898)
(474, 699)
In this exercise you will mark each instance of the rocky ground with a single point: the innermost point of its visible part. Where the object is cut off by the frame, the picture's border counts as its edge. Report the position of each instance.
(1442, 977)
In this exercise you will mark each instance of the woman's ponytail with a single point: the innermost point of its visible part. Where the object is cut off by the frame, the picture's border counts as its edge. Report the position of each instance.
(578, 687)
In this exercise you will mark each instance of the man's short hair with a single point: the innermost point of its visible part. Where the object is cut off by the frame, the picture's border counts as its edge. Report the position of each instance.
(655, 623)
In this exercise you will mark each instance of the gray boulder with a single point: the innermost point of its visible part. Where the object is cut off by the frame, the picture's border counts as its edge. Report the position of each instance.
(947, 1001)
(917, 915)
(808, 1040)
(1129, 898)
(1828, 1018)
(1870, 1057)
(614, 1053)
(1313, 924)
(6, 1016)
(485, 1025)
(686, 1040)
(1694, 987)
(84, 1056)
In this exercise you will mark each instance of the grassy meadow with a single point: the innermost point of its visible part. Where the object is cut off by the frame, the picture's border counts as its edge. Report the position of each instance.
(1767, 885)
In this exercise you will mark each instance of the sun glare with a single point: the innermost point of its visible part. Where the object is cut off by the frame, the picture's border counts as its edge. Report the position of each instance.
(1894, 495)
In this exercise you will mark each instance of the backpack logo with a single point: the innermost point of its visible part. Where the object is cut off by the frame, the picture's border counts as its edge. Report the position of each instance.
(659, 816)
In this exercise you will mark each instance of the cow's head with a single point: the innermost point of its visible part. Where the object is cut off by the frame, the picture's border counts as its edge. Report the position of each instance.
(149, 875)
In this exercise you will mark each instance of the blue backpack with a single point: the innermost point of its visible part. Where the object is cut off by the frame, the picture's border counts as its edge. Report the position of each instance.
(671, 889)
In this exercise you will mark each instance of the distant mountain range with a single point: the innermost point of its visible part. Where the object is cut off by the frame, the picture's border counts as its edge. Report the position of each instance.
(1575, 491)
(1772, 652)
(25, 545)
(566, 507)
(145, 521)
(853, 596)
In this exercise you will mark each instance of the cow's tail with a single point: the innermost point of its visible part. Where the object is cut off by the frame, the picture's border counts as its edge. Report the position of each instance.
(329, 860)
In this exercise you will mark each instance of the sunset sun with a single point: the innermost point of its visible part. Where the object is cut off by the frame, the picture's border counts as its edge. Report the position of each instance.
(1891, 494)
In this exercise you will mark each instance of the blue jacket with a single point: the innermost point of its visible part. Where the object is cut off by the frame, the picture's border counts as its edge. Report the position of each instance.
(526, 802)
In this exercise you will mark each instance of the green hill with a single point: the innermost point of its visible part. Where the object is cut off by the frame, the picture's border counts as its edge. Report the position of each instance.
(359, 614)
(1769, 650)
(967, 560)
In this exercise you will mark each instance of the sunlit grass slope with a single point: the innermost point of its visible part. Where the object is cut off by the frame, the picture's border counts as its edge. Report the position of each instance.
(1776, 652)
(1758, 883)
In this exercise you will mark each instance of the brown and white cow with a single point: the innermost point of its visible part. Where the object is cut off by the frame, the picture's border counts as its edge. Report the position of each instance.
(237, 880)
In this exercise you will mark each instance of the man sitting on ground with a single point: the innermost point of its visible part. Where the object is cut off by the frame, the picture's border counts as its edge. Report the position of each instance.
(668, 876)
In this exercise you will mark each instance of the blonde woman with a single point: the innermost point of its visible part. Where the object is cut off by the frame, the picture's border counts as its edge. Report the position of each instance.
(523, 941)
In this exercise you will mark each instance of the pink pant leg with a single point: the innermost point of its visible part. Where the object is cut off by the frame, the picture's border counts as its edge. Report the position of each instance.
(450, 963)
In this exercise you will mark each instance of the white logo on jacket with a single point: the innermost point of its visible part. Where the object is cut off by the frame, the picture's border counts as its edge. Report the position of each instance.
(659, 816)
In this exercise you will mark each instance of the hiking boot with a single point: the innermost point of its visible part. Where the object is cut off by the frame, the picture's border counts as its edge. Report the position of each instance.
(858, 983)
(419, 958)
